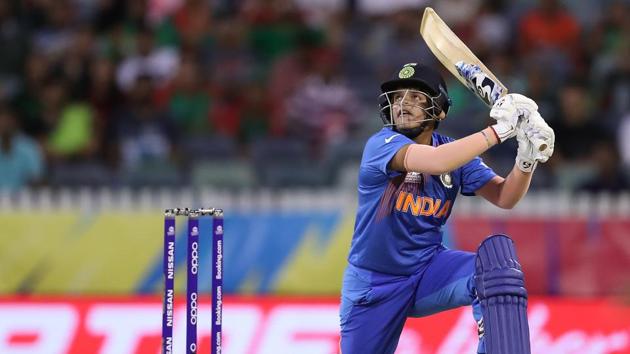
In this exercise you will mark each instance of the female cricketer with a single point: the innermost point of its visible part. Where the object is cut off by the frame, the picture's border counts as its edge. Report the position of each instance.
(408, 181)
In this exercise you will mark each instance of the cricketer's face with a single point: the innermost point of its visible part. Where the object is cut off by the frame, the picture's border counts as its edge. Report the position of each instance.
(408, 108)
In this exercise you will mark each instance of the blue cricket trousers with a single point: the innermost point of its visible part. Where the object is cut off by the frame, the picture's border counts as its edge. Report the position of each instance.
(375, 306)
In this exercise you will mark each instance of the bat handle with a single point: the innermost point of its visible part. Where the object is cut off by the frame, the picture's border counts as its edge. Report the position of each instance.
(540, 145)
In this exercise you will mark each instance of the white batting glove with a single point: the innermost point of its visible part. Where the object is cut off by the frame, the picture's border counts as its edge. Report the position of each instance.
(506, 111)
(526, 154)
(531, 133)
(540, 133)
(525, 104)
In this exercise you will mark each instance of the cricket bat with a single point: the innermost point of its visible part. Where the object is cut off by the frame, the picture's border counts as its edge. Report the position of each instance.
(462, 62)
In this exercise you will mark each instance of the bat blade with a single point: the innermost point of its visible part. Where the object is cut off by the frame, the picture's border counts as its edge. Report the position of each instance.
(461, 61)
(458, 59)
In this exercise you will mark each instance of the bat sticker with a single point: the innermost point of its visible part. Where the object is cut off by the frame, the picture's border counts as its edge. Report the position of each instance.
(479, 82)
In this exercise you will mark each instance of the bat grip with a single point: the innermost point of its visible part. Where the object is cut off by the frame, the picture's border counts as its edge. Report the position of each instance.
(540, 145)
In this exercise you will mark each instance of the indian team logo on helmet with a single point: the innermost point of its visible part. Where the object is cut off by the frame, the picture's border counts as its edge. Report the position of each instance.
(407, 71)
(446, 180)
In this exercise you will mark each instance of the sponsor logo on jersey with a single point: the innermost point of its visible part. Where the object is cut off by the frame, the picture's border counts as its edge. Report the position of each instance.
(387, 140)
(413, 177)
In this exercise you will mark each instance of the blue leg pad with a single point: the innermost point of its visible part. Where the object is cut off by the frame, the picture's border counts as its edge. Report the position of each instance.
(501, 292)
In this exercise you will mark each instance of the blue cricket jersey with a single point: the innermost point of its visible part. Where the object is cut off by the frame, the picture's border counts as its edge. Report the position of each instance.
(400, 215)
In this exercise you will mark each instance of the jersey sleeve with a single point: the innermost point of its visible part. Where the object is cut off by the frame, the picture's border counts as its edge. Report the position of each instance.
(475, 174)
(378, 152)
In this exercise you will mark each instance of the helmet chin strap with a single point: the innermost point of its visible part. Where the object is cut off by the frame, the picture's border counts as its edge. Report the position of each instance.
(412, 133)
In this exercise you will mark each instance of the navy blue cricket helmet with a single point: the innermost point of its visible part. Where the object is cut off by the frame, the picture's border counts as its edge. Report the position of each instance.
(422, 78)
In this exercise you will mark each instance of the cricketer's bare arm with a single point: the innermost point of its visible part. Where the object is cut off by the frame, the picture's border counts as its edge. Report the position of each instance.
(447, 157)
(506, 192)
(443, 158)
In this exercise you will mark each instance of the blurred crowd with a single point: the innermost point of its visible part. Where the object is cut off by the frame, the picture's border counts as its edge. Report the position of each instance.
(283, 92)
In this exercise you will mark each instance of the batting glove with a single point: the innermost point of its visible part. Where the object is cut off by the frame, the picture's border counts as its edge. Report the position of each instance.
(506, 113)
(539, 132)
(524, 104)
(531, 133)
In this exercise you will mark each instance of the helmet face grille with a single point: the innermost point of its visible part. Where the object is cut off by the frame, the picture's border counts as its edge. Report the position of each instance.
(397, 108)
(420, 77)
